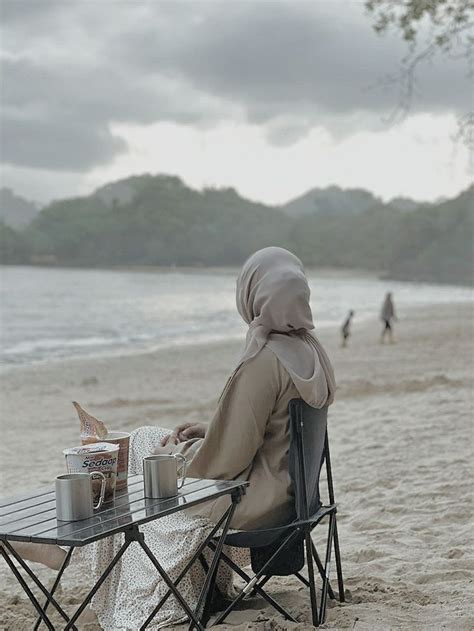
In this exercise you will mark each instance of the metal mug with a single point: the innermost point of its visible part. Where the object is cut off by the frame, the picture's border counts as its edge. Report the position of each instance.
(74, 499)
(160, 475)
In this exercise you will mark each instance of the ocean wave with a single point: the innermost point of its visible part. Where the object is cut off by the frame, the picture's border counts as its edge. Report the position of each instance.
(29, 347)
(115, 313)
(57, 349)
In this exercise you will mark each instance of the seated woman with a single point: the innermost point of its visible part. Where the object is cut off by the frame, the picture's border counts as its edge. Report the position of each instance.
(248, 439)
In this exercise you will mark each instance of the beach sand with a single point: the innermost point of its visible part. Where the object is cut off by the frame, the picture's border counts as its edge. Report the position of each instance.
(402, 450)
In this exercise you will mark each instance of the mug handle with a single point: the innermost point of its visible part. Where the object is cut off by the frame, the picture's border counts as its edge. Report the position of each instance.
(102, 488)
(183, 468)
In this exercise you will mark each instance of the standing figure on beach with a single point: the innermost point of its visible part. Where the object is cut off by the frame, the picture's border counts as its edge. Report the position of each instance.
(387, 315)
(247, 439)
(346, 328)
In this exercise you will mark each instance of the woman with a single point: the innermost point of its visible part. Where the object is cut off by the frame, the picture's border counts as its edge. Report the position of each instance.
(248, 439)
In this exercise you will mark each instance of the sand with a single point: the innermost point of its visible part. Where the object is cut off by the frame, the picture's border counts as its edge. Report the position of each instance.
(402, 449)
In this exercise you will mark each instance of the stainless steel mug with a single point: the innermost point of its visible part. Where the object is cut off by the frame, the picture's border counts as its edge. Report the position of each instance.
(160, 475)
(74, 495)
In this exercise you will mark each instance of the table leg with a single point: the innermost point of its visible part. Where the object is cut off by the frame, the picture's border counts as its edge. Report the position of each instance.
(27, 590)
(35, 579)
(183, 573)
(55, 585)
(211, 574)
(170, 583)
(91, 594)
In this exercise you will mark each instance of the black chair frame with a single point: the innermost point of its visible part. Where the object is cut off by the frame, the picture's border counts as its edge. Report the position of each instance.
(298, 532)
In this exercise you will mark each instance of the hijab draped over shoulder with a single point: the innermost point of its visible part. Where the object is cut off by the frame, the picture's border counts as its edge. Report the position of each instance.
(273, 298)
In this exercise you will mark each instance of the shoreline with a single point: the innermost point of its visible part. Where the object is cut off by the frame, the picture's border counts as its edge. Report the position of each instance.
(323, 329)
(383, 275)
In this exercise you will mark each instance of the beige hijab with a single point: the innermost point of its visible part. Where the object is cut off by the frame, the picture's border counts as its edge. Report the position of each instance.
(273, 299)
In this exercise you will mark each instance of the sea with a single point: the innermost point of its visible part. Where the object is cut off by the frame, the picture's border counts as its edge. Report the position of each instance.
(50, 314)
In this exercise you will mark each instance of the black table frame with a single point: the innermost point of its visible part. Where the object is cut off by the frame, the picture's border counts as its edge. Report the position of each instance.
(129, 511)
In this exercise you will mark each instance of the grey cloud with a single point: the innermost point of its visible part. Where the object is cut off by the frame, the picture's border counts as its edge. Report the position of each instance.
(60, 117)
(28, 11)
(286, 58)
(57, 144)
(284, 131)
(73, 69)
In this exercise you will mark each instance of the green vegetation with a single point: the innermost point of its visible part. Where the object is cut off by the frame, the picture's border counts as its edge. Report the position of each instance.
(14, 210)
(331, 201)
(13, 246)
(432, 243)
(157, 220)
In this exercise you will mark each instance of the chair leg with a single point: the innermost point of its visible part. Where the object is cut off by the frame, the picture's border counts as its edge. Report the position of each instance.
(332, 595)
(204, 563)
(337, 554)
(252, 583)
(327, 563)
(301, 578)
(312, 585)
(263, 582)
(257, 589)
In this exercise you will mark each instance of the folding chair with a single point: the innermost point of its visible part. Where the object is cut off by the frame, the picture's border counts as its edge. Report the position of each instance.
(281, 551)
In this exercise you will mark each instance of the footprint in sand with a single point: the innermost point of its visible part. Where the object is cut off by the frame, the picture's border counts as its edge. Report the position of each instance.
(363, 524)
(366, 555)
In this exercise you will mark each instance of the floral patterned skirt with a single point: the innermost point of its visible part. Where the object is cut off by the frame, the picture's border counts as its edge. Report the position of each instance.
(134, 587)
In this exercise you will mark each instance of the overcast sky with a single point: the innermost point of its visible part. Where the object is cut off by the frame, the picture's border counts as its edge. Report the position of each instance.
(272, 98)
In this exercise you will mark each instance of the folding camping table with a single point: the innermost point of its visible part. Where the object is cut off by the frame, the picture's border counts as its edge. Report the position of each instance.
(31, 517)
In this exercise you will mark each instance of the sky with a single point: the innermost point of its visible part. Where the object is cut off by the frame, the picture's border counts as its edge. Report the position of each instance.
(270, 97)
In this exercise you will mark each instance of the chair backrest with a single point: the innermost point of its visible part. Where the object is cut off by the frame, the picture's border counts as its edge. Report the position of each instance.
(308, 449)
(308, 443)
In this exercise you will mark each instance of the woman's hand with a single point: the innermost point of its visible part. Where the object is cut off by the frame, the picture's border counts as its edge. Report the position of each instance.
(183, 432)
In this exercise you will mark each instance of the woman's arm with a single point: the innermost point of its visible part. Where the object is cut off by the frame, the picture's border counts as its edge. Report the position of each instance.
(184, 432)
(238, 428)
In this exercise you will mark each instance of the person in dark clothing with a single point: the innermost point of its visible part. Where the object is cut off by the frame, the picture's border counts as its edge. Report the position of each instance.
(346, 328)
(387, 315)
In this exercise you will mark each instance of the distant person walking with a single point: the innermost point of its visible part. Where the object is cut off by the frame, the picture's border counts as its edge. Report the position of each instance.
(387, 315)
(346, 328)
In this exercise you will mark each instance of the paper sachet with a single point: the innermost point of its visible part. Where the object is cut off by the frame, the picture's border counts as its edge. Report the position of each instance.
(91, 428)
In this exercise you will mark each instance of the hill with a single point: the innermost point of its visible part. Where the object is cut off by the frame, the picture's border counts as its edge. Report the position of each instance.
(405, 204)
(437, 243)
(433, 243)
(15, 211)
(154, 220)
(158, 220)
(332, 201)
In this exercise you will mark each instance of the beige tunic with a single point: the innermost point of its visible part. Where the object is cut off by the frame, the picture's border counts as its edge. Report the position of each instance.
(248, 439)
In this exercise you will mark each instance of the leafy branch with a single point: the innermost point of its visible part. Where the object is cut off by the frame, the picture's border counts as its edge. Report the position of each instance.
(446, 27)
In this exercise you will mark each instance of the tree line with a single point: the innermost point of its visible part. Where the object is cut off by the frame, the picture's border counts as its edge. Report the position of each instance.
(162, 222)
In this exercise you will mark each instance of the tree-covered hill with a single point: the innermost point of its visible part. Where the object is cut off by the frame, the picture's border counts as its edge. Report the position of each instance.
(163, 222)
(433, 243)
(15, 211)
(157, 220)
(332, 201)
(437, 243)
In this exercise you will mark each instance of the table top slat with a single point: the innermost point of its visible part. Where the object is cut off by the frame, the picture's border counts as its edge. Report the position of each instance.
(123, 506)
(20, 518)
(150, 512)
(35, 500)
(33, 516)
(6, 502)
(17, 511)
(17, 523)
